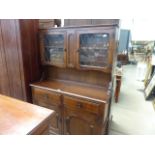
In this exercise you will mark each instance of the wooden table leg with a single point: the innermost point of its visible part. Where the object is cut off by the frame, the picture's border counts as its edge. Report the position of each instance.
(117, 89)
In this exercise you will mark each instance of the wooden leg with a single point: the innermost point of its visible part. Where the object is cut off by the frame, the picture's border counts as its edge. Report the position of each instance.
(117, 90)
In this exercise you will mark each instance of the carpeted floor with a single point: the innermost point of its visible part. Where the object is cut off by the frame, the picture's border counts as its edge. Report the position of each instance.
(132, 115)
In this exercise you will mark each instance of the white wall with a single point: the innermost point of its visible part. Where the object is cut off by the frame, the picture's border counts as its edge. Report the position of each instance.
(141, 29)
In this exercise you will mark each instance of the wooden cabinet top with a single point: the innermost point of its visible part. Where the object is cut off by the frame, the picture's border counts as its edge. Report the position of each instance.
(18, 117)
(85, 26)
(76, 89)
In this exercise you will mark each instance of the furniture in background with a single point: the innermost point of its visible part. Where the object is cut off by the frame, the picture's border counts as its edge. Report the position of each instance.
(84, 22)
(22, 118)
(19, 63)
(49, 23)
(123, 58)
(77, 77)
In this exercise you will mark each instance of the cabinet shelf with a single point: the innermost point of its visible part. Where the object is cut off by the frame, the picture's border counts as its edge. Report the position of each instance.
(80, 90)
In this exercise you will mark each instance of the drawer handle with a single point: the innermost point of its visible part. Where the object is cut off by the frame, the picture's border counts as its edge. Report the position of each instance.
(46, 96)
(91, 129)
(79, 105)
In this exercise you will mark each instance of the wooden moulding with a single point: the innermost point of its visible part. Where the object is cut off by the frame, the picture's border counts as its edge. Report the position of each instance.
(70, 94)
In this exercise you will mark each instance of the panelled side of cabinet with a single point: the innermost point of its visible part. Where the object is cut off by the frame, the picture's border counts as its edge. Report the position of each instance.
(19, 57)
(12, 57)
(4, 82)
(29, 53)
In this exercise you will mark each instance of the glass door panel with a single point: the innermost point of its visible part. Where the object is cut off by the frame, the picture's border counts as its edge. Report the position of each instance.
(93, 49)
(54, 49)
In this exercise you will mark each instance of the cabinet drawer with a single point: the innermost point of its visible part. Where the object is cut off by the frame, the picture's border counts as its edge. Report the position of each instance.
(41, 96)
(81, 104)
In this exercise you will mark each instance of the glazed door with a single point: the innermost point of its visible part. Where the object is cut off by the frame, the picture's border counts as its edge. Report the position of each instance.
(53, 47)
(95, 49)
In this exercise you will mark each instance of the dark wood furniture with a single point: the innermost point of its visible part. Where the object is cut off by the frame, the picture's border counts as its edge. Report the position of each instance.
(19, 63)
(123, 58)
(77, 78)
(22, 118)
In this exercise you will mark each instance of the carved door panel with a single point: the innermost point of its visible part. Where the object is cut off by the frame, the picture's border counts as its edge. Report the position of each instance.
(79, 123)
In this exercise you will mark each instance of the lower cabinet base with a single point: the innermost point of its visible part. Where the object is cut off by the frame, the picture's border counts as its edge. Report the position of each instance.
(73, 115)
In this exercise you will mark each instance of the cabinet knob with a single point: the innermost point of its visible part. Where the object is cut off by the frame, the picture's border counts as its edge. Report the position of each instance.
(91, 129)
(78, 50)
(46, 96)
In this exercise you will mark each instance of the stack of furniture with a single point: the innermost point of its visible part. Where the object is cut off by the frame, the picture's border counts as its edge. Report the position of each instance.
(77, 65)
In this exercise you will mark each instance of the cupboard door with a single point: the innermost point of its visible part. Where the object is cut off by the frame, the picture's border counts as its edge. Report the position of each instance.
(53, 47)
(77, 122)
(51, 101)
(12, 57)
(95, 48)
(56, 121)
(81, 118)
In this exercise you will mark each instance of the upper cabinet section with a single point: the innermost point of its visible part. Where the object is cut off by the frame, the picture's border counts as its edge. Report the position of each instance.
(53, 48)
(89, 48)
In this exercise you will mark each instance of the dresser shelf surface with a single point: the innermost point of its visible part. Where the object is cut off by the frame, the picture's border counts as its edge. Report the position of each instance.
(76, 89)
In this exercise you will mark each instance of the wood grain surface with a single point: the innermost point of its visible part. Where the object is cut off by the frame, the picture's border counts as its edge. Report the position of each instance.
(21, 118)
